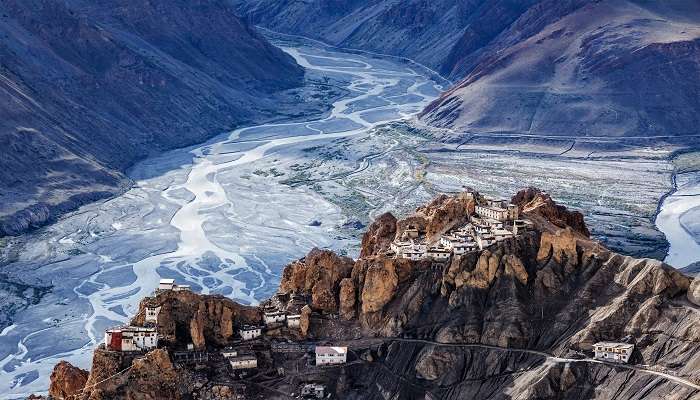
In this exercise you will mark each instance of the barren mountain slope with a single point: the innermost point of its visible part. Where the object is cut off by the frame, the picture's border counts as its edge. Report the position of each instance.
(87, 88)
(608, 69)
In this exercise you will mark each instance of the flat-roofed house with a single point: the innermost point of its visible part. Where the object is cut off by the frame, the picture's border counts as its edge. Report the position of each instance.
(243, 362)
(229, 352)
(328, 355)
(439, 254)
(613, 351)
(166, 284)
(249, 332)
(152, 314)
(131, 338)
(294, 320)
(273, 317)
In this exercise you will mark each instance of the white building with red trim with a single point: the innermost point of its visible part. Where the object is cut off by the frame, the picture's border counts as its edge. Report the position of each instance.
(131, 338)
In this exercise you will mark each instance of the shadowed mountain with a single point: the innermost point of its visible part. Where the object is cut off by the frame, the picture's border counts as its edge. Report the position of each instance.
(609, 68)
(537, 67)
(87, 88)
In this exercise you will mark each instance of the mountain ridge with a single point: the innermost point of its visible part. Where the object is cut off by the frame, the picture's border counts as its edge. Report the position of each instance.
(88, 89)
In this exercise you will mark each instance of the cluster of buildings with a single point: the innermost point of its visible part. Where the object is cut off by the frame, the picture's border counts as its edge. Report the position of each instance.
(129, 338)
(493, 221)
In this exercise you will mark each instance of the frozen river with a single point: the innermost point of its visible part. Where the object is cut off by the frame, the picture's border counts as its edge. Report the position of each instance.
(200, 215)
(684, 248)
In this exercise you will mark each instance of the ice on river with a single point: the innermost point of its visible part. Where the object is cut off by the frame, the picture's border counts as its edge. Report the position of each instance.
(684, 248)
(200, 215)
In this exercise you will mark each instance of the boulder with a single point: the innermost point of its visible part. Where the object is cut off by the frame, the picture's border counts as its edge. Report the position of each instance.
(66, 380)
(694, 292)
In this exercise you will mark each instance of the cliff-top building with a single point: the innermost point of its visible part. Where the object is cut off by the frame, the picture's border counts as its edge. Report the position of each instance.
(169, 284)
(131, 338)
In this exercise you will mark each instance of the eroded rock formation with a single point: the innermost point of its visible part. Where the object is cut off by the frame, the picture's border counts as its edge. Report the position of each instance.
(66, 380)
(550, 290)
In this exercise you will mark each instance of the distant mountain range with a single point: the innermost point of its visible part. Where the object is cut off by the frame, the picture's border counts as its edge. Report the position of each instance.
(87, 88)
(611, 68)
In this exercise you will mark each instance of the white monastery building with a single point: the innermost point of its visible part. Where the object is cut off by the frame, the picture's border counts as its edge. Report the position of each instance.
(612, 351)
(152, 314)
(131, 338)
(327, 355)
(169, 284)
(248, 332)
(243, 362)
(272, 317)
(294, 320)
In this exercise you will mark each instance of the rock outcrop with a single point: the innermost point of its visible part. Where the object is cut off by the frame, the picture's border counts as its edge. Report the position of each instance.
(67, 380)
(694, 292)
(439, 215)
(500, 320)
(187, 317)
(534, 201)
(379, 235)
(319, 274)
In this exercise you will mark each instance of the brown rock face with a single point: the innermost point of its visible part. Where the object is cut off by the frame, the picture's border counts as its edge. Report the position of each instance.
(151, 377)
(441, 214)
(319, 273)
(187, 317)
(380, 285)
(347, 299)
(66, 380)
(379, 235)
(561, 245)
(304, 321)
(535, 201)
(694, 292)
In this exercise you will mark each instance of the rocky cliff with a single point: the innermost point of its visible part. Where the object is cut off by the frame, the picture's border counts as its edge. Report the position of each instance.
(87, 88)
(514, 321)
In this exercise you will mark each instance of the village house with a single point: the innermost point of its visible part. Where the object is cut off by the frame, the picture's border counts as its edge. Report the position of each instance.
(152, 314)
(613, 351)
(521, 225)
(294, 320)
(249, 332)
(439, 254)
(485, 240)
(327, 355)
(498, 210)
(501, 234)
(131, 338)
(169, 284)
(229, 352)
(243, 362)
(273, 317)
(313, 390)
(411, 232)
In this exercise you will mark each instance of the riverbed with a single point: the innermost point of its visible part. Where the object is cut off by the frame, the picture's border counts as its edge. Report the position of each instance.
(684, 248)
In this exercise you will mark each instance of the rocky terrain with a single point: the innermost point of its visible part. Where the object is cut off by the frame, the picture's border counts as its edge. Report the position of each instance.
(578, 68)
(88, 88)
(605, 69)
(514, 321)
